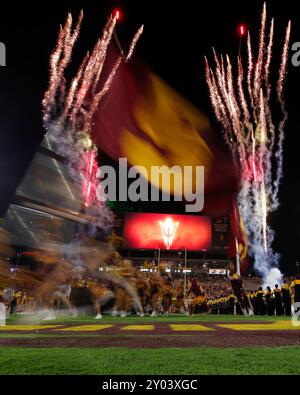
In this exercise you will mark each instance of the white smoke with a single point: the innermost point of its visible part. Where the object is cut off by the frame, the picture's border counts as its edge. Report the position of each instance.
(273, 277)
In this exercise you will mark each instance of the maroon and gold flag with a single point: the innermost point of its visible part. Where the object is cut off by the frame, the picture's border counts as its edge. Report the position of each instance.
(238, 237)
(149, 123)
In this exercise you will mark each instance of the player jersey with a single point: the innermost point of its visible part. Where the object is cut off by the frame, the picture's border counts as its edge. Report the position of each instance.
(296, 287)
(285, 291)
(277, 293)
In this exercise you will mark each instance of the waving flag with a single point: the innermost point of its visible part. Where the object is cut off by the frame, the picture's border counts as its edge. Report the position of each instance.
(150, 124)
(238, 240)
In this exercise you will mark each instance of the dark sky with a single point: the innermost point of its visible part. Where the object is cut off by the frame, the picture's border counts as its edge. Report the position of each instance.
(177, 36)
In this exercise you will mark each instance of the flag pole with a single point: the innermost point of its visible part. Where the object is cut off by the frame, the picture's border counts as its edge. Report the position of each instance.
(185, 271)
(237, 257)
(117, 41)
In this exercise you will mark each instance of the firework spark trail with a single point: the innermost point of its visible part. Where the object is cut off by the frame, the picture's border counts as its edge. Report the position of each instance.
(74, 87)
(68, 110)
(262, 165)
(134, 42)
(59, 60)
(280, 86)
(216, 102)
(250, 71)
(93, 68)
(218, 106)
(283, 66)
(242, 106)
(260, 59)
(241, 92)
(268, 60)
(222, 86)
(101, 49)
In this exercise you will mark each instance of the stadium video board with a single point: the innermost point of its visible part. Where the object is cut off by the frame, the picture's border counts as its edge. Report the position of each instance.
(167, 232)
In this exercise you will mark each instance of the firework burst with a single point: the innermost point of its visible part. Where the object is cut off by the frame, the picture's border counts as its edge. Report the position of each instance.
(241, 103)
(68, 110)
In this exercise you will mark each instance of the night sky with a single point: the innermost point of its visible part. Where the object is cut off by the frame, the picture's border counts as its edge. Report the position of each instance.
(177, 36)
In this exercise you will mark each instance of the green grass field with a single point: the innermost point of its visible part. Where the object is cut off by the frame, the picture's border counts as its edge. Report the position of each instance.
(164, 361)
(15, 319)
(262, 361)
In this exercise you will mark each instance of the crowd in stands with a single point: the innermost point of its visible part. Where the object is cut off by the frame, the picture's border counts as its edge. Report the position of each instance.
(157, 292)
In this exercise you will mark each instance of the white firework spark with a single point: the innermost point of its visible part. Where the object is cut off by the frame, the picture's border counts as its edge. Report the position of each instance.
(68, 110)
(243, 109)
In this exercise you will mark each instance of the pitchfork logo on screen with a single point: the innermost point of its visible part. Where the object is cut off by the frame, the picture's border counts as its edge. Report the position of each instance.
(2, 55)
(167, 231)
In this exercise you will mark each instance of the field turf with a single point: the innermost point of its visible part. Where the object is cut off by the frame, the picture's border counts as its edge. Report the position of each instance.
(44, 358)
